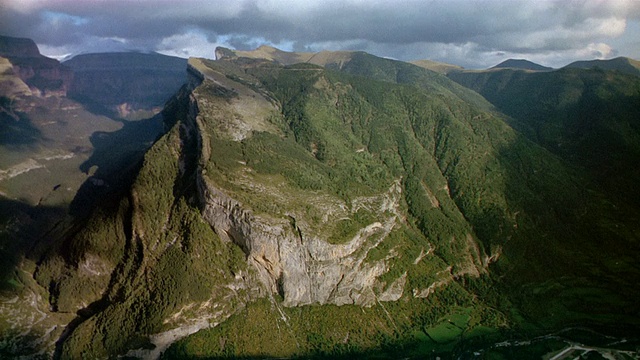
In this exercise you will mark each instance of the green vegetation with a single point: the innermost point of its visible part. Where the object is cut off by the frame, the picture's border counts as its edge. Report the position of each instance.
(588, 117)
(466, 175)
(263, 329)
(496, 235)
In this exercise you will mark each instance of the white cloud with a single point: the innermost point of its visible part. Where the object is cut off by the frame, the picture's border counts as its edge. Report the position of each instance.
(189, 44)
(469, 33)
(612, 26)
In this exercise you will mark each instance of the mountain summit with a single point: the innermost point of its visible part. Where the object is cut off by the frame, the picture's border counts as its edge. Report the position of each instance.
(521, 64)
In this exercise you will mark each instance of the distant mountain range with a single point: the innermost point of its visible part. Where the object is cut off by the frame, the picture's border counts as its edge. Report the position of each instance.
(273, 204)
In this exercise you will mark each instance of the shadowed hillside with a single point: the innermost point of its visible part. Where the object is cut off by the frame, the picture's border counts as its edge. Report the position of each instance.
(126, 85)
(621, 64)
(588, 117)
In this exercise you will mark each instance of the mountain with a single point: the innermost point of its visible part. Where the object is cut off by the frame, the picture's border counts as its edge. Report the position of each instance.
(129, 85)
(18, 47)
(35, 133)
(59, 156)
(39, 72)
(621, 64)
(521, 64)
(587, 117)
(439, 67)
(324, 58)
(364, 208)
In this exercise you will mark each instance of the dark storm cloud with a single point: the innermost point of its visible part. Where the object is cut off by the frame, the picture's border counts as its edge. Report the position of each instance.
(471, 32)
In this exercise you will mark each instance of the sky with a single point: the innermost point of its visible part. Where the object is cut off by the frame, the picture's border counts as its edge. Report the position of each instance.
(470, 33)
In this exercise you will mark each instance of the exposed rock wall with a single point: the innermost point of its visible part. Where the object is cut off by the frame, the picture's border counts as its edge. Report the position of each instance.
(290, 257)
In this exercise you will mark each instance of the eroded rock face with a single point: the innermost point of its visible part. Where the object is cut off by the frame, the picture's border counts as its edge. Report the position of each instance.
(293, 257)
(304, 268)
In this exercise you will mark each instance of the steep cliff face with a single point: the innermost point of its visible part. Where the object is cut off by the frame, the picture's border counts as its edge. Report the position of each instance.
(205, 194)
(343, 191)
(11, 84)
(18, 47)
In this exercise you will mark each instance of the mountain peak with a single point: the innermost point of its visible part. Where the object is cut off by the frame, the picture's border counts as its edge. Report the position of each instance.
(521, 64)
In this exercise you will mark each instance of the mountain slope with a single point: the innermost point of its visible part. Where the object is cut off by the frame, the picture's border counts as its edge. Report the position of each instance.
(442, 68)
(588, 117)
(333, 59)
(299, 206)
(59, 156)
(621, 64)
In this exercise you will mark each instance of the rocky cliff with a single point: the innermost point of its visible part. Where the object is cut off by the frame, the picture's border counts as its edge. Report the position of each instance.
(43, 75)
(293, 257)
(300, 245)
(18, 47)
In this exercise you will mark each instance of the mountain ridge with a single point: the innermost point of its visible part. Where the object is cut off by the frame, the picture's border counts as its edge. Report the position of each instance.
(439, 67)
(323, 58)
(369, 206)
(622, 64)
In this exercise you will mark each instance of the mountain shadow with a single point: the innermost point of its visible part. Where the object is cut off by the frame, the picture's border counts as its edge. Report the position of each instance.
(16, 128)
(115, 160)
(25, 231)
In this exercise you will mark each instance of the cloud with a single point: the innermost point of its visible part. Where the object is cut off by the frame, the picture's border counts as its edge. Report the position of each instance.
(470, 32)
(188, 44)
